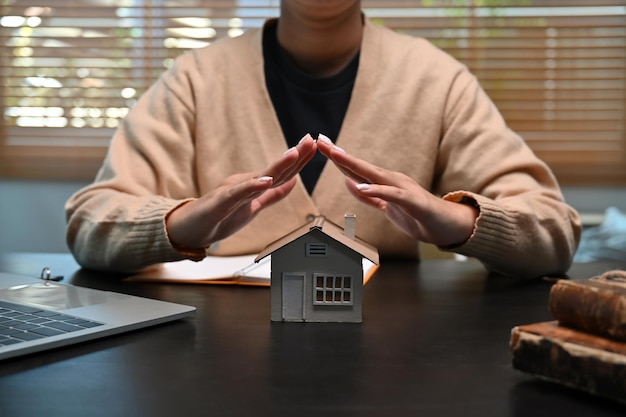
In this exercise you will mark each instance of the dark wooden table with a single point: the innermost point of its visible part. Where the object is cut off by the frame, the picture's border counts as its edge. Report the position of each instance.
(434, 342)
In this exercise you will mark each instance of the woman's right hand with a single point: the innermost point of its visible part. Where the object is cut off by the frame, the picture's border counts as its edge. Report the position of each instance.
(220, 213)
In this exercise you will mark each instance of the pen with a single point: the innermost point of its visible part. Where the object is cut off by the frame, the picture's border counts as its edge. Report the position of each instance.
(244, 271)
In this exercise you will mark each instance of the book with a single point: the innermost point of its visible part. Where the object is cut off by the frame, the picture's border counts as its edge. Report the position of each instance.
(571, 357)
(225, 270)
(595, 305)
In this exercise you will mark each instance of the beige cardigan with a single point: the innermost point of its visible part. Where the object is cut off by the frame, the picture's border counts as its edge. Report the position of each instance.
(413, 109)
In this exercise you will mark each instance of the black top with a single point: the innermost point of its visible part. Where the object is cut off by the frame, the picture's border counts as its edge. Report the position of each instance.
(304, 103)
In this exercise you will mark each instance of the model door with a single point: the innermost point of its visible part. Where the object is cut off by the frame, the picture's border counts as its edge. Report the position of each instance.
(293, 297)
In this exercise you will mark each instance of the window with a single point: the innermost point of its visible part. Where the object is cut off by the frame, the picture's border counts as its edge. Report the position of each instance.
(332, 289)
(72, 69)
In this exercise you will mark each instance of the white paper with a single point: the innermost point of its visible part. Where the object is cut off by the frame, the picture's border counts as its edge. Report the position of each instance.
(217, 268)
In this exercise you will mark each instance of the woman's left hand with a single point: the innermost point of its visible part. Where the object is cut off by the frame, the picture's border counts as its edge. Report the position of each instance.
(413, 209)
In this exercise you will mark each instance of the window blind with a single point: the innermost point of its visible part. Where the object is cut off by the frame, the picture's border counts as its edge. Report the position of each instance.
(71, 70)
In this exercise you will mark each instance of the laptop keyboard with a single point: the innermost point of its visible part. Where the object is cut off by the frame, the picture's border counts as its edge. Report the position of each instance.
(20, 323)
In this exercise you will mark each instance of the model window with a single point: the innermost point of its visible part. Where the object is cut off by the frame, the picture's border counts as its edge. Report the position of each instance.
(316, 249)
(332, 289)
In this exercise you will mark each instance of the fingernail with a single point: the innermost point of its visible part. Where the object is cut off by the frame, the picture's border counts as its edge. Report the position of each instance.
(324, 139)
(265, 179)
(305, 137)
(363, 187)
(337, 148)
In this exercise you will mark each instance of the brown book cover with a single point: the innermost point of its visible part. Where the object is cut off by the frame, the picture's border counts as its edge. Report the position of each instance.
(571, 357)
(596, 305)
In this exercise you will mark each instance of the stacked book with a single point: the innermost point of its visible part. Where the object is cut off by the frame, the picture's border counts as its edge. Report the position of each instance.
(585, 346)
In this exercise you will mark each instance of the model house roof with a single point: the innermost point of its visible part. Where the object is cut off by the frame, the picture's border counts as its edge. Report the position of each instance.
(330, 229)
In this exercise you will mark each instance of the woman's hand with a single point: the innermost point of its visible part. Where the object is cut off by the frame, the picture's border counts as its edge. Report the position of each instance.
(417, 212)
(220, 213)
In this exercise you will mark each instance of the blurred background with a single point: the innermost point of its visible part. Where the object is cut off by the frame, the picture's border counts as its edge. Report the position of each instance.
(71, 70)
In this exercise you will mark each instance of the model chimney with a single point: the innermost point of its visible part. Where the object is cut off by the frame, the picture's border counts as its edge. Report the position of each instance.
(349, 229)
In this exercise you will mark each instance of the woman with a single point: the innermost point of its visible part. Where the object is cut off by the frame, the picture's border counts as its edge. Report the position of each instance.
(209, 159)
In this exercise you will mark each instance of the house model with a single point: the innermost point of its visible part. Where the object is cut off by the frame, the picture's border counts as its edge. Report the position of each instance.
(317, 273)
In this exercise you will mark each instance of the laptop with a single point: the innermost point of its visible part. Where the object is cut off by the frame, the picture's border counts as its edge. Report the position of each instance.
(37, 314)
